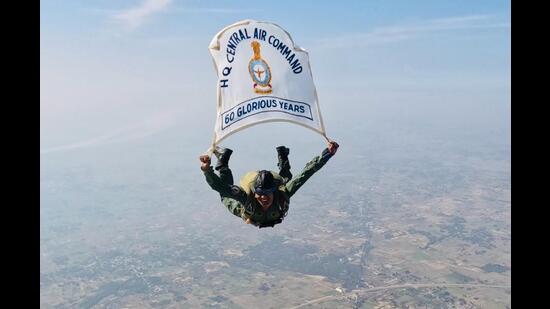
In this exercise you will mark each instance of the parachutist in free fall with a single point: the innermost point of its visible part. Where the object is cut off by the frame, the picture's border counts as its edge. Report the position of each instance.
(263, 197)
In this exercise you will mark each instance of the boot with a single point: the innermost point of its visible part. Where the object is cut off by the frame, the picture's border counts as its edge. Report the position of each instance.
(223, 158)
(282, 155)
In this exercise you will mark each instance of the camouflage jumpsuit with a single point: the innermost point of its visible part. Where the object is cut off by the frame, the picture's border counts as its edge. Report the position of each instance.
(245, 206)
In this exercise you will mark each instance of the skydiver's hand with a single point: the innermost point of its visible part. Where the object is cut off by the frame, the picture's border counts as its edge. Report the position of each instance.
(333, 147)
(205, 160)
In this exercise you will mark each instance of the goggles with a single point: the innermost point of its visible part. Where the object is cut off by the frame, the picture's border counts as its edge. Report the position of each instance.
(261, 191)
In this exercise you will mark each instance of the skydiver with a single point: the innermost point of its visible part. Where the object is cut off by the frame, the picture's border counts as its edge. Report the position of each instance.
(262, 199)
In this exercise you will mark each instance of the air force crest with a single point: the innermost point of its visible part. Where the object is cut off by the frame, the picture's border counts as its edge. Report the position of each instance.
(262, 76)
(259, 71)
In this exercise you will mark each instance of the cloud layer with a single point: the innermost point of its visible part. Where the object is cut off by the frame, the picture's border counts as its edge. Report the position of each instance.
(128, 133)
(397, 33)
(136, 16)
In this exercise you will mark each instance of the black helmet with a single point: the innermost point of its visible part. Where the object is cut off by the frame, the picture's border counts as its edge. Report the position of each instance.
(264, 183)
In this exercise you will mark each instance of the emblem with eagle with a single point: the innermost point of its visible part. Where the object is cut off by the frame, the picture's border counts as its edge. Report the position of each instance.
(259, 71)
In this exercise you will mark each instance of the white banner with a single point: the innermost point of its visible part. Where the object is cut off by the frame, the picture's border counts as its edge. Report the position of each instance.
(262, 77)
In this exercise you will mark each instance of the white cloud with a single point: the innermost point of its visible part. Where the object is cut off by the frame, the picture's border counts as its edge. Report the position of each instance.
(389, 34)
(132, 132)
(215, 10)
(135, 17)
(442, 24)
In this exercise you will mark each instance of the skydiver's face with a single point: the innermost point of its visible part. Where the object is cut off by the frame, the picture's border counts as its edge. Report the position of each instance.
(264, 200)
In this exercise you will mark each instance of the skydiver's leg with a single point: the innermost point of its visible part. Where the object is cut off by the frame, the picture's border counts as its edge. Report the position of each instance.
(230, 202)
(223, 165)
(284, 164)
(226, 177)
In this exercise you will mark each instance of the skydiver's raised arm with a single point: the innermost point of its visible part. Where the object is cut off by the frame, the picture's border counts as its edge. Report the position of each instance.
(311, 167)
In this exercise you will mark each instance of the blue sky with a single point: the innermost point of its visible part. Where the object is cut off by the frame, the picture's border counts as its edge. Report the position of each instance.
(126, 69)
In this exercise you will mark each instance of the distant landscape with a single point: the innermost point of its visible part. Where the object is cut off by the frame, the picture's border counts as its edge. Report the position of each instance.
(399, 218)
